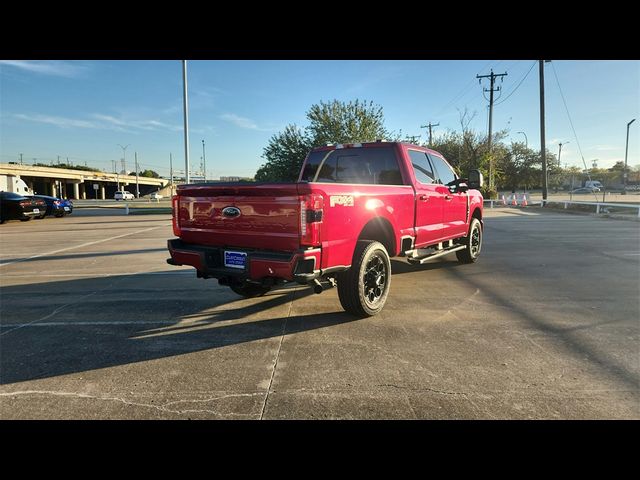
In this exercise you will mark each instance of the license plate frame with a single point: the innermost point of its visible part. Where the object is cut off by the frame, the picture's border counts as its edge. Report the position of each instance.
(235, 259)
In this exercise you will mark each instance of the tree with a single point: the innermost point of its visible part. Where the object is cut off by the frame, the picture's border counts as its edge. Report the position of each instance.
(285, 153)
(149, 174)
(332, 122)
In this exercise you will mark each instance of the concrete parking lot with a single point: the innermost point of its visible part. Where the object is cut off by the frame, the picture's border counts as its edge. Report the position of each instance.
(95, 325)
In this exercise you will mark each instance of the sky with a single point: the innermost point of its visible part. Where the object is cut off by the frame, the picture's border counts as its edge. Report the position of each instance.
(87, 111)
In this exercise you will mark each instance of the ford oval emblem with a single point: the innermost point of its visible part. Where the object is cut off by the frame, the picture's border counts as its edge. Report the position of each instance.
(231, 212)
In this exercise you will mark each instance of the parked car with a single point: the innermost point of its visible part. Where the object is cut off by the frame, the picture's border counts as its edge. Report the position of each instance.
(16, 207)
(155, 196)
(585, 190)
(58, 207)
(123, 195)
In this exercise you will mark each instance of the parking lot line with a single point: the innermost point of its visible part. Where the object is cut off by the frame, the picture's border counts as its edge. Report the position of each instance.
(82, 245)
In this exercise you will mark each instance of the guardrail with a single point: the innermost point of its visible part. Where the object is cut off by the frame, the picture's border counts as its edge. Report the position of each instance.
(566, 204)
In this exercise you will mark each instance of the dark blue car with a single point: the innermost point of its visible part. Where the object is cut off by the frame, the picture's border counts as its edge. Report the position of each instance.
(58, 207)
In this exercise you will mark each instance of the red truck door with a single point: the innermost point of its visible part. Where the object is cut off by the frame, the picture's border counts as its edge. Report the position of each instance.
(429, 200)
(455, 204)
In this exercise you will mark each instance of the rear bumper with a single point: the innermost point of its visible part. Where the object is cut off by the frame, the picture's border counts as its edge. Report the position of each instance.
(301, 266)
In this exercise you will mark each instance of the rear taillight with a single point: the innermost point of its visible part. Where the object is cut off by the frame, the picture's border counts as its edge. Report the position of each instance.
(175, 213)
(25, 203)
(310, 219)
(56, 202)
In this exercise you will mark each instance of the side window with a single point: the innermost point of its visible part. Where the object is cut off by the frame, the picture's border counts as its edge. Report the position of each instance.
(444, 171)
(421, 167)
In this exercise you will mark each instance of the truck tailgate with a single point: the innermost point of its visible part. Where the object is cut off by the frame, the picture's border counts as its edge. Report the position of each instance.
(269, 215)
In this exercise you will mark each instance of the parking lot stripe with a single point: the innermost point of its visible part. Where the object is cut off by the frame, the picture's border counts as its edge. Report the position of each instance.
(59, 309)
(80, 246)
(35, 323)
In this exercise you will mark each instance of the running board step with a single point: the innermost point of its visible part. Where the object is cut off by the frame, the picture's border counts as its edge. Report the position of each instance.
(438, 253)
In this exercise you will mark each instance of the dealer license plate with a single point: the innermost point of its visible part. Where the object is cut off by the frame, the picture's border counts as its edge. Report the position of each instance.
(235, 259)
(66, 209)
(36, 210)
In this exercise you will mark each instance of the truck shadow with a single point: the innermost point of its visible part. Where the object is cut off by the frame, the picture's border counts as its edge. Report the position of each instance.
(89, 324)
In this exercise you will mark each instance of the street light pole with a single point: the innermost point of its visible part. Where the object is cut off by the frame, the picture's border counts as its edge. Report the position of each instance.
(626, 153)
(185, 108)
(204, 161)
(526, 140)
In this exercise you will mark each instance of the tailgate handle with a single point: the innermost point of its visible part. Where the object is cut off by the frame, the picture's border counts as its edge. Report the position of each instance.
(424, 198)
(448, 197)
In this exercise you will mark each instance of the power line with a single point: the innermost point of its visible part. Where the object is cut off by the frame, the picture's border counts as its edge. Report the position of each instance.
(517, 86)
(468, 86)
(570, 121)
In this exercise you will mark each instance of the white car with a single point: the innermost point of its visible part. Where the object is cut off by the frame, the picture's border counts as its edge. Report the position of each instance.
(123, 195)
(155, 196)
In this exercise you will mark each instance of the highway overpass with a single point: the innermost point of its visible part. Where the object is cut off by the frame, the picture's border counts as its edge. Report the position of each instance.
(79, 184)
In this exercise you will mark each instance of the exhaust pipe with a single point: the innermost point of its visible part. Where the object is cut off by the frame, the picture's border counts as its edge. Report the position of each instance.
(317, 286)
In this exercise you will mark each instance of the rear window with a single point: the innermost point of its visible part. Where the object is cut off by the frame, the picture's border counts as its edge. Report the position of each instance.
(377, 166)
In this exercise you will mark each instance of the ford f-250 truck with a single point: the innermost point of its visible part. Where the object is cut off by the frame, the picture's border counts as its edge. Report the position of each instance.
(353, 207)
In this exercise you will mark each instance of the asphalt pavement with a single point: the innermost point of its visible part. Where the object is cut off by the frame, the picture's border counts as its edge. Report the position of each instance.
(95, 325)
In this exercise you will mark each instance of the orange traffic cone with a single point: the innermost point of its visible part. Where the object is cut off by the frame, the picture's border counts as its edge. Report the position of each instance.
(524, 201)
(504, 200)
(515, 200)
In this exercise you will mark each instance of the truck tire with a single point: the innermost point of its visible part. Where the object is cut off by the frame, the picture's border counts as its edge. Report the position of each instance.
(473, 241)
(363, 289)
(250, 290)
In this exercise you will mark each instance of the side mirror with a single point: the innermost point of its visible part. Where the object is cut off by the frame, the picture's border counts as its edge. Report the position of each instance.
(459, 185)
(475, 179)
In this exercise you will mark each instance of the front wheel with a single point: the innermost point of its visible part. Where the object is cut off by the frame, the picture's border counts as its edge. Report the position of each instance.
(473, 242)
(363, 289)
(250, 290)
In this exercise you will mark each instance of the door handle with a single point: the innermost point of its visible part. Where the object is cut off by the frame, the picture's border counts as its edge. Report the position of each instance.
(424, 198)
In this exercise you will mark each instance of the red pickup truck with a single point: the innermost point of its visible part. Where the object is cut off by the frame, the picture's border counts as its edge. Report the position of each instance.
(353, 207)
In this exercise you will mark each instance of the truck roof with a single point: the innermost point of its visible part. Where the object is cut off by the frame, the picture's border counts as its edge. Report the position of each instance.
(377, 143)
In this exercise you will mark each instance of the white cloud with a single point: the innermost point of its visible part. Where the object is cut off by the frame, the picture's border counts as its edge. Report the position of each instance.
(239, 121)
(61, 122)
(48, 67)
(102, 122)
(246, 123)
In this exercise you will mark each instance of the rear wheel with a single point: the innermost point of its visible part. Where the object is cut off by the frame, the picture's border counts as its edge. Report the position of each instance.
(473, 242)
(363, 289)
(250, 290)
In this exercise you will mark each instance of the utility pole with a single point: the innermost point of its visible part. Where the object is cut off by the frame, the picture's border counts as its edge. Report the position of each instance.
(492, 79)
(412, 138)
(626, 152)
(204, 160)
(58, 159)
(185, 108)
(430, 126)
(124, 170)
(124, 157)
(113, 166)
(543, 152)
(20, 159)
(137, 185)
(560, 151)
